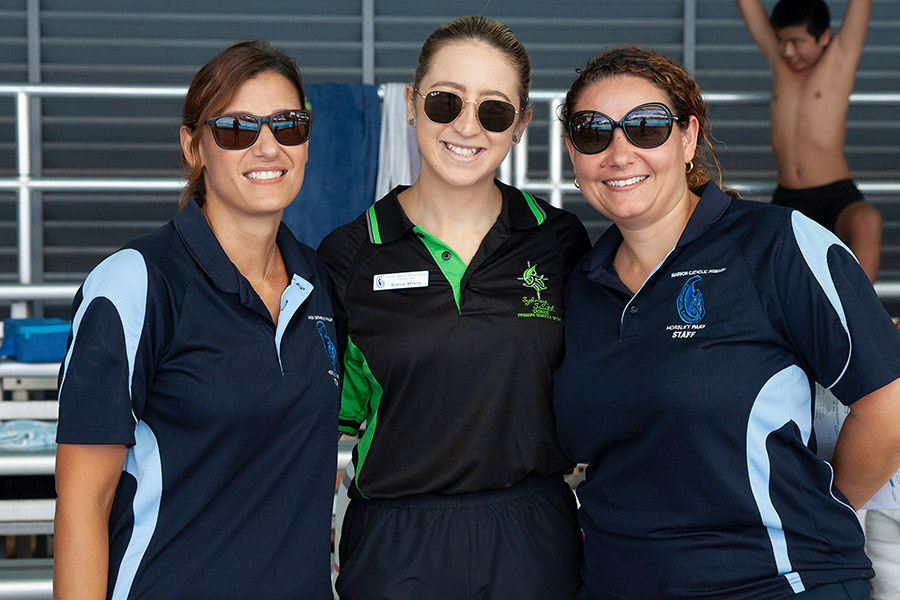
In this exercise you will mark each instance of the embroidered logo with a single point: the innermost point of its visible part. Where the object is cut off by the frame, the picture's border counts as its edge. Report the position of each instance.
(690, 304)
(330, 350)
(535, 306)
(533, 280)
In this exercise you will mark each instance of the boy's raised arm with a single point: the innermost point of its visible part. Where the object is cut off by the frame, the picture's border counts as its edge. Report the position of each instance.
(852, 36)
(757, 21)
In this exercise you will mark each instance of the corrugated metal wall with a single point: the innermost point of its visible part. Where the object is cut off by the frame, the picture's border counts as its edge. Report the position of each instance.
(164, 42)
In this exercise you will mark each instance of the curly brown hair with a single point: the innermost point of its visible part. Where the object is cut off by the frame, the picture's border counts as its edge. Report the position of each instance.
(683, 92)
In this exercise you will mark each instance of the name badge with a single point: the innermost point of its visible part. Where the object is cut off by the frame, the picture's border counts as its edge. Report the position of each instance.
(399, 281)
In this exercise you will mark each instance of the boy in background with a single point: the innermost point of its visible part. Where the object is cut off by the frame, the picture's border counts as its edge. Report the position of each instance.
(813, 72)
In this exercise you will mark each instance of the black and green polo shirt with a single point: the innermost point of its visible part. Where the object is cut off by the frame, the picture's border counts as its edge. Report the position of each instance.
(451, 366)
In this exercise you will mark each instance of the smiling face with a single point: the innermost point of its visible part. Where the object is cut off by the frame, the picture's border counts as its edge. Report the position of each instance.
(799, 48)
(634, 187)
(264, 178)
(462, 152)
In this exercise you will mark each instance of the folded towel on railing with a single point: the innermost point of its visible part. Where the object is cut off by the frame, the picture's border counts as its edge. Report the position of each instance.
(339, 183)
(27, 434)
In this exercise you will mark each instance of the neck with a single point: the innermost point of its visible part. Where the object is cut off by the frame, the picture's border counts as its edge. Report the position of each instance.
(443, 208)
(250, 244)
(644, 247)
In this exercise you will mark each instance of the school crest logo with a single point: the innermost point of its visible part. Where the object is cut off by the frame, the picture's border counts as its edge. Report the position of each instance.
(535, 306)
(531, 279)
(330, 350)
(690, 304)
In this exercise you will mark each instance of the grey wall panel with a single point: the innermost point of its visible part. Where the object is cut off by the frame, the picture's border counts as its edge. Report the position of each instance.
(80, 229)
(13, 69)
(8, 237)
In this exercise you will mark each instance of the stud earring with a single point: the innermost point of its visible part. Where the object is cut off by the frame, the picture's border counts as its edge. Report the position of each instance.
(412, 121)
(515, 139)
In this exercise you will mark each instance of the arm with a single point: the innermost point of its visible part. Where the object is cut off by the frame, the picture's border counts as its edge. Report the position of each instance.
(851, 38)
(868, 448)
(757, 22)
(86, 480)
(338, 251)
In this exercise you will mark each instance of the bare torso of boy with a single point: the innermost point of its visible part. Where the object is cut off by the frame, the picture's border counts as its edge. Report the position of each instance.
(808, 120)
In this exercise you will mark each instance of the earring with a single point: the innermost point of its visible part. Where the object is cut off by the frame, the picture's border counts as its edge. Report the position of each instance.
(515, 139)
(689, 167)
(576, 183)
(412, 121)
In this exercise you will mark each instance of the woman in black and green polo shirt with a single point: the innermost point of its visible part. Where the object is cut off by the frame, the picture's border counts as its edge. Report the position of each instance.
(448, 304)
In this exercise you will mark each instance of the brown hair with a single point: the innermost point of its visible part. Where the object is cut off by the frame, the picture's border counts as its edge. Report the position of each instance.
(480, 29)
(213, 87)
(684, 95)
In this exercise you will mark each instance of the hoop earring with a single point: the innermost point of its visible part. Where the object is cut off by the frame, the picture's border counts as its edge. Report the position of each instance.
(576, 183)
(412, 121)
(689, 167)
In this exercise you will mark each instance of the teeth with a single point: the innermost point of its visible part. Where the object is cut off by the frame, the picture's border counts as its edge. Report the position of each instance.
(624, 182)
(264, 174)
(461, 151)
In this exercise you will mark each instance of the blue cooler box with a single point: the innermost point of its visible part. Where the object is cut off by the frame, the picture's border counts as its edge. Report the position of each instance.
(35, 340)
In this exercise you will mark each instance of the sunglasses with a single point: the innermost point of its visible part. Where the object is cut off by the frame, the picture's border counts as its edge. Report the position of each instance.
(236, 132)
(445, 107)
(645, 126)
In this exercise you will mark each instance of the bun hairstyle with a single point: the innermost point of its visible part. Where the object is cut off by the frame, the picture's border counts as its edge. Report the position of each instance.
(479, 29)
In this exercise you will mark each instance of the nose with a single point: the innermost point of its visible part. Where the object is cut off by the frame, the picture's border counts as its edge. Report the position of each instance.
(266, 144)
(620, 151)
(467, 122)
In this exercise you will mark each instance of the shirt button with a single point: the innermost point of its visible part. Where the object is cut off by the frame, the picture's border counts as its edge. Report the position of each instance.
(446, 255)
(633, 309)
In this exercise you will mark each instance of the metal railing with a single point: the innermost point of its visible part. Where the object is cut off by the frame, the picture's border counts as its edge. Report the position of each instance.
(26, 183)
(514, 169)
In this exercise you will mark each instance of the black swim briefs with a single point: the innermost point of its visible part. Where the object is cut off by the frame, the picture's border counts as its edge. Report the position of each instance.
(822, 204)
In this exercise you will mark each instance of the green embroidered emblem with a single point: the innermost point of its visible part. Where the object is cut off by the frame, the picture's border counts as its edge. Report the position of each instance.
(533, 280)
(535, 307)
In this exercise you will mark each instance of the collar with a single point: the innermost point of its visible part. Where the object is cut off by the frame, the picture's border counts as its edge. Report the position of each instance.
(387, 222)
(712, 205)
(205, 249)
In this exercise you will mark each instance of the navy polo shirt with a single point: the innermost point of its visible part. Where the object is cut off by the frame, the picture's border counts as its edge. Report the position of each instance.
(228, 484)
(451, 365)
(692, 401)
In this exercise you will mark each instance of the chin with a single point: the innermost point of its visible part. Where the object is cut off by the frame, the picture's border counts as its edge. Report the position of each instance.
(464, 179)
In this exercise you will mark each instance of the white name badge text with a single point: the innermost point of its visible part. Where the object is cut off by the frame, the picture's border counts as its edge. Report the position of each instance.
(399, 281)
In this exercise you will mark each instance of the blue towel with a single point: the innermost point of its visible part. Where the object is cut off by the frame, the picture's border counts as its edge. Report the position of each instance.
(339, 183)
(27, 434)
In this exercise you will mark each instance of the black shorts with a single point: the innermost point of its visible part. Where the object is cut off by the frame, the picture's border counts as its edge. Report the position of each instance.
(822, 204)
(522, 543)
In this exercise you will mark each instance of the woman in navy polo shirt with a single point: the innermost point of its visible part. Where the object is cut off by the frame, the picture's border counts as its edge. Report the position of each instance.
(448, 303)
(695, 330)
(198, 398)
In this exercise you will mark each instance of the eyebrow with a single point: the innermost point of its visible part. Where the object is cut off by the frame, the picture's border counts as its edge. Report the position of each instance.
(247, 113)
(457, 86)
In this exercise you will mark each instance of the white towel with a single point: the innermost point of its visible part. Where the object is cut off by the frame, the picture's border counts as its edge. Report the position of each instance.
(398, 162)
